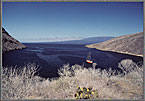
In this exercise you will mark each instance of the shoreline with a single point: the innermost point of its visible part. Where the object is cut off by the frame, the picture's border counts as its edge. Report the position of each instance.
(14, 49)
(127, 53)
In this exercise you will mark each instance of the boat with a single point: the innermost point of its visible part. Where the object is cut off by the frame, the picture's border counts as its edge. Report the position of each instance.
(88, 60)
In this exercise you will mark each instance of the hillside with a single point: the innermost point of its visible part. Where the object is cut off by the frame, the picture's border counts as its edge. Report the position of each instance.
(9, 43)
(127, 44)
(85, 41)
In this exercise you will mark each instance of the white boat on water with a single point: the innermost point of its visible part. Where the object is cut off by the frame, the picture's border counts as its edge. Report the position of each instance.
(88, 60)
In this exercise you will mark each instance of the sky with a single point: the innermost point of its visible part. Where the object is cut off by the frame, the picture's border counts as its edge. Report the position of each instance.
(56, 21)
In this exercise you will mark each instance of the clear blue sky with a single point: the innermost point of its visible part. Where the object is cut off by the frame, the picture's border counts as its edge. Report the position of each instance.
(47, 21)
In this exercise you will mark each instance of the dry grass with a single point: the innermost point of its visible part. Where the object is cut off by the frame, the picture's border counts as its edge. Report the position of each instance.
(22, 84)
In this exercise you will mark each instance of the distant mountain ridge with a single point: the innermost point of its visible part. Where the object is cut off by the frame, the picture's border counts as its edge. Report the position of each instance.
(9, 43)
(85, 41)
(129, 44)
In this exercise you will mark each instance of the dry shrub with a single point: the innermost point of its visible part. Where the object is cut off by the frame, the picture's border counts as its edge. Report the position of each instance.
(133, 72)
(17, 82)
(22, 84)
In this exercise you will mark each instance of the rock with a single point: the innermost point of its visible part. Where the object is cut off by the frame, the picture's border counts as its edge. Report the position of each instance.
(9, 43)
(132, 44)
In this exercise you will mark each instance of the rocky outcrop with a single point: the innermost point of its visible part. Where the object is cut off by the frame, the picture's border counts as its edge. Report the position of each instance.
(132, 44)
(9, 43)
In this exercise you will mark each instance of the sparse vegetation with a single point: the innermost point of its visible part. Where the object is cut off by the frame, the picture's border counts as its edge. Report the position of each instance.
(23, 84)
(131, 44)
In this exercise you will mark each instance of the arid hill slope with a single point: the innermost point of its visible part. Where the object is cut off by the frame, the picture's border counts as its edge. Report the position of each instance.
(128, 44)
(9, 43)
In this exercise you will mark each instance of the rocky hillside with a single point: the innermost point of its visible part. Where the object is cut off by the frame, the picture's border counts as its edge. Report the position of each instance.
(9, 43)
(128, 44)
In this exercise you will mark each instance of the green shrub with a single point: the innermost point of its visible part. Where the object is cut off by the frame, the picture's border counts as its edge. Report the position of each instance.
(86, 93)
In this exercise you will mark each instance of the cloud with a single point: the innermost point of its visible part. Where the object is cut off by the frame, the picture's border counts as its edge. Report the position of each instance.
(51, 39)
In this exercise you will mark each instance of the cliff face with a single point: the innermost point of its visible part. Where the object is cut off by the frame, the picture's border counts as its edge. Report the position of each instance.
(9, 43)
(128, 44)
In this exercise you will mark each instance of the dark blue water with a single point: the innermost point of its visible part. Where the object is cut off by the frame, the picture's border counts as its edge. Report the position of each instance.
(51, 57)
